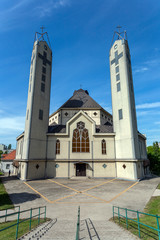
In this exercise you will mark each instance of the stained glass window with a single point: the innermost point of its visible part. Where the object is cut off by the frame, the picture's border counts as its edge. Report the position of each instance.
(103, 146)
(80, 140)
(57, 146)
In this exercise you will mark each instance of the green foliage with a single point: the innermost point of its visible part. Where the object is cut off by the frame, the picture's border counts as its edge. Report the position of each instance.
(10, 233)
(9, 147)
(153, 153)
(1, 152)
(5, 201)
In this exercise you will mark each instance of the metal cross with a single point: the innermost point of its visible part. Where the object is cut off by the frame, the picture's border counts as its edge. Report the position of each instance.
(42, 28)
(117, 57)
(44, 58)
(119, 27)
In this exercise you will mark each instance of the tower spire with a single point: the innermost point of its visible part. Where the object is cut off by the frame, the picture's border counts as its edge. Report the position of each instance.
(41, 36)
(120, 35)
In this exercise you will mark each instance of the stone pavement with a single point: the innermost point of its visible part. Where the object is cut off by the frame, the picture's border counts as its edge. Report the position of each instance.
(95, 198)
(156, 193)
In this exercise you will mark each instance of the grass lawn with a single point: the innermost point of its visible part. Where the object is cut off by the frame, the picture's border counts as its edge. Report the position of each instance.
(1, 174)
(5, 201)
(10, 234)
(153, 207)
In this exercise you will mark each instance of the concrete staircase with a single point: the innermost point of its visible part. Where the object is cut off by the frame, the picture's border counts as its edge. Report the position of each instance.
(66, 230)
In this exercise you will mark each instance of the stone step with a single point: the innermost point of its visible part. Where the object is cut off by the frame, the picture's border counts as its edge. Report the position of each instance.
(66, 230)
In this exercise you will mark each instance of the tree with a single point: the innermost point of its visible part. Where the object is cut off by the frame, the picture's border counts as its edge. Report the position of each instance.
(1, 152)
(153, 153)
(9, 147)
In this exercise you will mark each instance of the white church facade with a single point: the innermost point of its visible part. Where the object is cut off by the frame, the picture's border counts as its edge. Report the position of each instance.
(81, 138)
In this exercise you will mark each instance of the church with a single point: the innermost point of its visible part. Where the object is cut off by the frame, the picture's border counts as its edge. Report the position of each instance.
(81, 138)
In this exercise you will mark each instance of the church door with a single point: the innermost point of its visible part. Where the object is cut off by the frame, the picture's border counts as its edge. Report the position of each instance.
(80, 169)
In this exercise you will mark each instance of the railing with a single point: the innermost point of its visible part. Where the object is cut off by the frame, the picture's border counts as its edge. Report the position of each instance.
(126, 210)
(6, 211)
(78, 224)
(18, 214)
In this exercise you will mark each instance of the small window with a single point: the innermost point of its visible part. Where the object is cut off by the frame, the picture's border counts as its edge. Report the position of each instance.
(57, 146)
(44, 70)
(40, 114)
(42, 87)
(43, 78)
(103, 146)
(45, 55)
(7, 166)
(120, 114)
(117, 77)
(117, 69)
(118, 87)
(27, 114)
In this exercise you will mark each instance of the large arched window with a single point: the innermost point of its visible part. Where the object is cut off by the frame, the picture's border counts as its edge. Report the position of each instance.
(80, 140)
(103, 146)
(57, 146)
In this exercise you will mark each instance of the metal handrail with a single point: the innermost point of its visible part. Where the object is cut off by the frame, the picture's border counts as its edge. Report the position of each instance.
(6, 210)
(137, 221)
(78, 224)
(28, 218)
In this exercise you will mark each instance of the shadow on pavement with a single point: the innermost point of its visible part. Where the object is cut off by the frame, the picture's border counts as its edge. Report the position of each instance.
(18, 198)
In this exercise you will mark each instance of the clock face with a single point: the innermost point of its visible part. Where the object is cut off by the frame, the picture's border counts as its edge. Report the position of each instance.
(45, 47)
(115, 47)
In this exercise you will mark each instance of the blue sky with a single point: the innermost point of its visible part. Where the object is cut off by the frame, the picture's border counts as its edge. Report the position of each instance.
(80, 33)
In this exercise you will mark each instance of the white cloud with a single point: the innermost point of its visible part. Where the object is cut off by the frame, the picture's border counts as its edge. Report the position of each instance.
(8, 124)
(10, 128)
(47, 9)
(141, 70)
(148, 105)
(158, 123)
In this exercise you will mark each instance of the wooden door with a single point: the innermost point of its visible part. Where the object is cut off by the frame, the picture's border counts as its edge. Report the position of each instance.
(80, 169)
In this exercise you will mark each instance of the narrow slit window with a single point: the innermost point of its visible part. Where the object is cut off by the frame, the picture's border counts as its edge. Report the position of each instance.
(120, 114)
(103, 146)
(43, 78)
(40, 114)
(117, 69)
(42, 87)
(44, 70)
(27, 113)
(57, 146)
(118, 87)
(117, 77)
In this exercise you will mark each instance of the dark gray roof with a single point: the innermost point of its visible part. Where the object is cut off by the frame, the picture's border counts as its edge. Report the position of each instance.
(57, 129)
(106, 128)
(81, 99)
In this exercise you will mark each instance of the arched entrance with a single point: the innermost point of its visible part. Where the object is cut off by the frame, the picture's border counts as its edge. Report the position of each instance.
(80, 169)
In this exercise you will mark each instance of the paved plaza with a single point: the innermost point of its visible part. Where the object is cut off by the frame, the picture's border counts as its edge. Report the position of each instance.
(94, 196)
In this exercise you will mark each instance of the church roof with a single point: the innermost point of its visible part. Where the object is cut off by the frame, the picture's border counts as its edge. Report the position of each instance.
(81, 99)
(106, 128)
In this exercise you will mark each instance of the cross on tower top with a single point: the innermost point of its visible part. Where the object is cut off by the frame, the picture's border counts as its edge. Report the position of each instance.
(42, 28)
(119, 27)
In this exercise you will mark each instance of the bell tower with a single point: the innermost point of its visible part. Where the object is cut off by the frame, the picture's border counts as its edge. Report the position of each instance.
(123, 102)
(38, 103)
